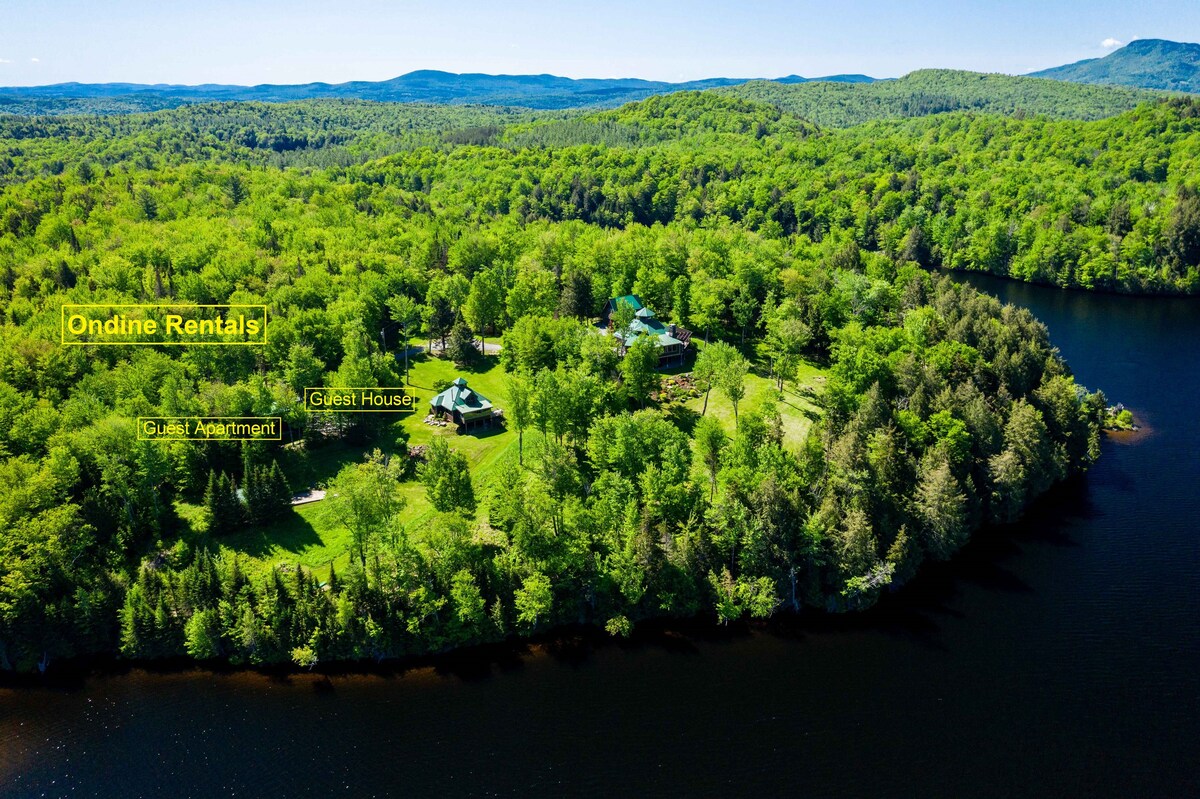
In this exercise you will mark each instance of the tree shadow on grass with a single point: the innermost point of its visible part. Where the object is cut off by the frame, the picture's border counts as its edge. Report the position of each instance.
(675, 369)
(799, 407)
(762, 370)
(682, 417)
(494, 429)
(315, 467)
(292, 533)
(478, 365)
(413, 362)
(811, 415)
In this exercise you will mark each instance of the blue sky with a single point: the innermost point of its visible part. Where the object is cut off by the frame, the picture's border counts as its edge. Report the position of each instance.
(50, 41)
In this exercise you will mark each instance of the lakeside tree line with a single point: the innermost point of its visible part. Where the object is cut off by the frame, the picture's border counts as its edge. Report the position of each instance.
(949, 411)
(770, 239)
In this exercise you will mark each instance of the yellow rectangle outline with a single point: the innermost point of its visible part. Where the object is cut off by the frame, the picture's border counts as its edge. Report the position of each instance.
(358, 388)
(279, 419)
(62, 327)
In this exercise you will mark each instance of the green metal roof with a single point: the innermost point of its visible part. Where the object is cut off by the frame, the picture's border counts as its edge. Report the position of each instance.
(643, 327)
(667, 340)
(629, 298)
(461, 398)
(644, 323)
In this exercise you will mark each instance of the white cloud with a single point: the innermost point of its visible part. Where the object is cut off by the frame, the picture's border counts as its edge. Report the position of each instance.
(5, 60)
(1110, 43)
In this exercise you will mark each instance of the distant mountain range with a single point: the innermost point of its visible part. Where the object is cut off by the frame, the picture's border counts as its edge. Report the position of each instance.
(429, 86)
(1144, 63)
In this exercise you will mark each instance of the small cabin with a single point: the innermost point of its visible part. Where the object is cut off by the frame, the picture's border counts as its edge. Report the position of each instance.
(463, 405)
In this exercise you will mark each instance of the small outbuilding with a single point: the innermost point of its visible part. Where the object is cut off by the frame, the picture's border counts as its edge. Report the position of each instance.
(463, 405)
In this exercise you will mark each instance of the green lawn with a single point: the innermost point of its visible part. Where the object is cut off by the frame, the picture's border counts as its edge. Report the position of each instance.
(314, 537)
(797, 407)
(482, 448)
(311, 534)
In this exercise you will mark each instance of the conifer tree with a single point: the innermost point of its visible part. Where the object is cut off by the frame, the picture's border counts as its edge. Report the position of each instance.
(221, 502)
(253, 493)
(211, 505)
(278, 493)
(461, 347)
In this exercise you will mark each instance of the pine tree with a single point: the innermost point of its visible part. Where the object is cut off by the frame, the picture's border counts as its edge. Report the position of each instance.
(137, 622)
(576, 296)
(235, 189)
(941, 506)
(266, 492)
(221, 502)
(229, 505)
(461, 347)
(211, 505)
(252, 493)
(278, 492)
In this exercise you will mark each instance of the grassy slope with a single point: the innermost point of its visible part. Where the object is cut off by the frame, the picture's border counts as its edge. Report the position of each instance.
(312, 535)
(797, 408)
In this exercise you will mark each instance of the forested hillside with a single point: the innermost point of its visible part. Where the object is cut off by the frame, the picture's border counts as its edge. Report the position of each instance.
(320, 134)
(935, 91)
(1146, 63)
(850, 413)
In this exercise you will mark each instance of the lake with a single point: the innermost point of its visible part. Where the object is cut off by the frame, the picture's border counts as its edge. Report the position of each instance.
(1056, 657)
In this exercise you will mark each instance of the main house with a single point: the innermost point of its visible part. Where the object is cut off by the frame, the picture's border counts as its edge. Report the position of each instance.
(671, 339)
(464, 406)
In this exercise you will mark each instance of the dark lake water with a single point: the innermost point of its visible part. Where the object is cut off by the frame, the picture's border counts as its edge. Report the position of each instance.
(1058, 657)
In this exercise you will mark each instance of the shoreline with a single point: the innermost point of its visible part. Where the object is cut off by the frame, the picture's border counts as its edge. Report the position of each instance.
(1129, 436)
(1105, 291)
(578, 640)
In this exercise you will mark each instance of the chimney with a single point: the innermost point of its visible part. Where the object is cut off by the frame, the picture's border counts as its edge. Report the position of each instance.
(672, 329)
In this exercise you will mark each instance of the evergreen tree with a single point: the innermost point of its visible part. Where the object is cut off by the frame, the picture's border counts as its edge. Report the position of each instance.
(941, 506)
(278, 492)
(576, 297)
(439, 316)
(461, 346)
(235, 189)
(252, 494)
(212, 503)
(223, 508)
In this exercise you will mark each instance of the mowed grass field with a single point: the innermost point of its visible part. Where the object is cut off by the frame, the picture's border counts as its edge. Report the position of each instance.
(313, 536)
(797, 405)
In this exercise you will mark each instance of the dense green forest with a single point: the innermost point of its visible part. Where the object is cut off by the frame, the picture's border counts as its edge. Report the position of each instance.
(849, 412)
(935, 91)
(318, 134)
